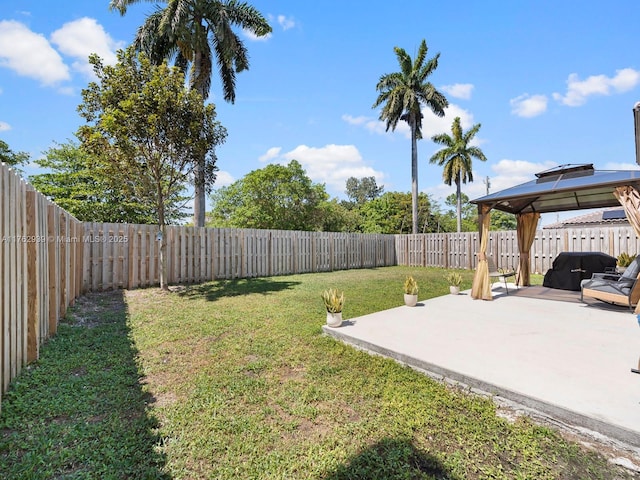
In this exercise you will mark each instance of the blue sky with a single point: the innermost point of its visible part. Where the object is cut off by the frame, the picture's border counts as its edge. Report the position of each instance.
(551, 82)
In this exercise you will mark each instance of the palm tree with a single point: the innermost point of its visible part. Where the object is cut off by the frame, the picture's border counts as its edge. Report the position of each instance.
(456, 158)
(193, 33)
(403, 94)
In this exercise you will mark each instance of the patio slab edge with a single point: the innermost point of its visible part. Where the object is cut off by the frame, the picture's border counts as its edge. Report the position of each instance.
(554, 412)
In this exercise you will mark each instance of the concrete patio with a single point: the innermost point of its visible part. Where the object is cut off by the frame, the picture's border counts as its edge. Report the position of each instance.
(568, 360)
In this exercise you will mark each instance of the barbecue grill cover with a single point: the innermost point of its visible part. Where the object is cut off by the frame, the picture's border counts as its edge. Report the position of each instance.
(570, 268)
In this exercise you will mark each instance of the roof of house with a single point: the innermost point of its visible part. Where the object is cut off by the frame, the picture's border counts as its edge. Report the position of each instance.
(608, 217)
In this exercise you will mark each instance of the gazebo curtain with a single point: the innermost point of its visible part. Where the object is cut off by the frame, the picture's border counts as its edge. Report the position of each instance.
(630, 201)
(481, 288)
(526, 231)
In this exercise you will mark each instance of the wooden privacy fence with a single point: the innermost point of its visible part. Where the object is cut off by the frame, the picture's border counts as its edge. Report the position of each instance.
(127, 256)
(40, 272)
(458, 250)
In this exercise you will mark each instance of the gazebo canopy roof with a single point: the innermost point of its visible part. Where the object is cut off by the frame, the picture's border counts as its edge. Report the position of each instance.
(563, 188)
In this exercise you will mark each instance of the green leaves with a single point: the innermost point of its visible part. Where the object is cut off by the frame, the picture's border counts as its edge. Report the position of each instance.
(403, 93)
(275, 197)
(14, 159)
(147, 130)
(78, 182)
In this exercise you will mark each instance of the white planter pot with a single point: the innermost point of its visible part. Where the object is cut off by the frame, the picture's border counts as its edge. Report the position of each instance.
(334, 319)
(454, 289)
(410, 300)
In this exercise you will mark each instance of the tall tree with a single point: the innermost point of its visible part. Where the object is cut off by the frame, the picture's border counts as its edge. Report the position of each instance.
(456, 157)
(11, 158)
(469, 211)
(193, 33)
(391, 213)
(403, 94)
(78, 183)
(147, 129)
(275, 197)
(361, 190)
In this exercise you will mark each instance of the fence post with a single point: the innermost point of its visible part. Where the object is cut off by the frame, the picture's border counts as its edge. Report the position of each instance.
(33, 297)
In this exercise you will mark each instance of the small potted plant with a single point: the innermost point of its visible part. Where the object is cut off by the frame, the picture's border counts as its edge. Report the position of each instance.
(624, 260)
(410, 291)
(454, 279)
(333, 302)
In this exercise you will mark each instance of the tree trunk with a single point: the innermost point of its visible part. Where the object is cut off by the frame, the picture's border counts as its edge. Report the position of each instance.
(458, 203)
(163, 240)
(199, 201)
(414, 178)
(163, 258)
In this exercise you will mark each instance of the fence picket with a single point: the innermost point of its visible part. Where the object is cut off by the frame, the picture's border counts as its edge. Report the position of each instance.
(34, 276)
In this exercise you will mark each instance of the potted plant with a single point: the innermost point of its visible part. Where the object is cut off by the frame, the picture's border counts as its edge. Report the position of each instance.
(410, 291)
(454, 279)
(333, 302)
(624, 260)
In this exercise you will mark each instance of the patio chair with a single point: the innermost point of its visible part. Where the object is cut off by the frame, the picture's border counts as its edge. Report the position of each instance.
(500, 273)
(619, 289)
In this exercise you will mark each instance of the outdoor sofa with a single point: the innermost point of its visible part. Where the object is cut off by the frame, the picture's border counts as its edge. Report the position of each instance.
(611, 287)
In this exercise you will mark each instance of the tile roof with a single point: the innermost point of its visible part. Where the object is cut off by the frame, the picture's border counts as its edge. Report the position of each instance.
(591, 219)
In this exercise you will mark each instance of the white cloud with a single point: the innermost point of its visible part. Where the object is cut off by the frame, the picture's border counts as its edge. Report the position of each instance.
(509, 173)
(223, 179)
(80, 38)
(528, 105)
(505, 174)
(620, 166)
(474, 189)
(459, 90)
(361, 120)
(30, 55)
(286, 22)
(272, 153)
(579, 90)
(4, 126)
(431, 123)
(371, 124)
(331, 164)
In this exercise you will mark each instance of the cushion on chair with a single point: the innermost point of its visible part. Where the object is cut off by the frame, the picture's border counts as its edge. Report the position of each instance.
(632, 270)
(608, 286)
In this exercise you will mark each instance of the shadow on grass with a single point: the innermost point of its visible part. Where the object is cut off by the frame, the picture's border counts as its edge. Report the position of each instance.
(81, 411)
(389, 459)
(215, 290)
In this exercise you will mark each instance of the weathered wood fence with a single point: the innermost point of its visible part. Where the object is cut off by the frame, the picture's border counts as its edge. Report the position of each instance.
(40, 271)
(458, 250)
(126, 256)
(48, 258)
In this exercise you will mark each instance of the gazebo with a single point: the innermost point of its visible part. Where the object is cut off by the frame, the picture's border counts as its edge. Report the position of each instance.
(563, 188)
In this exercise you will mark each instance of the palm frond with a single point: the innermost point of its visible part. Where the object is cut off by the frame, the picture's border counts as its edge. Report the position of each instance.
(122, 5)
(475, 152)
(226, 71)
(245, 16)
(193, 32)
(421, 55)
(404, 60)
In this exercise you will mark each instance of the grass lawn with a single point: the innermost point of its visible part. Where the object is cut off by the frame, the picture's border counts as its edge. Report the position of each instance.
(234, 380)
